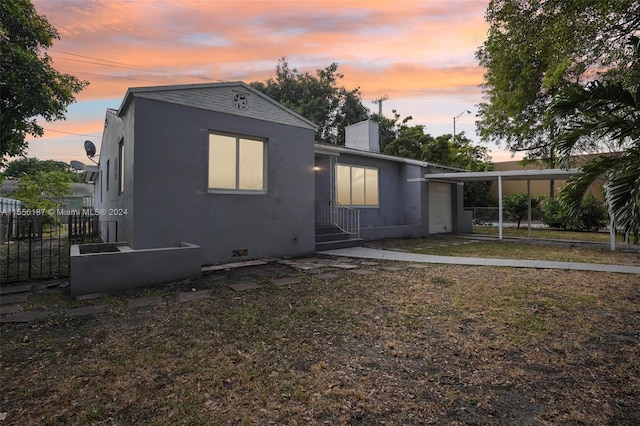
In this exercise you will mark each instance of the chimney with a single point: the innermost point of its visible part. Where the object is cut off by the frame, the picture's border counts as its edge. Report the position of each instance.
(363, 136)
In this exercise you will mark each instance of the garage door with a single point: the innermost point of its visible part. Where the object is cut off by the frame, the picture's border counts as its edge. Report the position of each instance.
(440, 219)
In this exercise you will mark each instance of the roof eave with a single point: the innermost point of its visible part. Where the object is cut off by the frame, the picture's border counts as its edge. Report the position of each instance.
(338, 149)
(538, 174)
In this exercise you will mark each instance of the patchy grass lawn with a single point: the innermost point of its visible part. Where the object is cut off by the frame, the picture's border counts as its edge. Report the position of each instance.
(543, 233)
(442, 345)
(530, 250)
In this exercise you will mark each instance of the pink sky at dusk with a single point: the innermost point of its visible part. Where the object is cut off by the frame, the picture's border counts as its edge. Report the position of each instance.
(419, 53)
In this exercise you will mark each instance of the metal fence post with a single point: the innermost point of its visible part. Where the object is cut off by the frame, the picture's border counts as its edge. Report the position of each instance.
(29, 239)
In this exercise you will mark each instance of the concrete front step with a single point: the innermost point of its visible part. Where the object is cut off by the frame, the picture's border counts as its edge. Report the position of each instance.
(332, 245)
(338, 236)
(326, 229)
(329, 237)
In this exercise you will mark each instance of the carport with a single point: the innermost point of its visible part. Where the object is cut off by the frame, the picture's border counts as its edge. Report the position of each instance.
(500, 176)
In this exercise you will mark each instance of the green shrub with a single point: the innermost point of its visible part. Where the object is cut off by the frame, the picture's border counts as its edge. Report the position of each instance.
(592, 217)
(515, 207)
(593, 214)
(553, 215)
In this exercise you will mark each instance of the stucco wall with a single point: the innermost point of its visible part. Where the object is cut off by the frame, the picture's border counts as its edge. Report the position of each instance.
(116, 209)
(123, 268)
(323, 187)
(400, 211)
(172, 203)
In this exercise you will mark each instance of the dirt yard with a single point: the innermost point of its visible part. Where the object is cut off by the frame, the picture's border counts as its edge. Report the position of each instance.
(400, 345)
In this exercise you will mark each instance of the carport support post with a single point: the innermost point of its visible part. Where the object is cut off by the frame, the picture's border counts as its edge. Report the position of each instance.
(529, 205)
(499, 207)
(612, 230)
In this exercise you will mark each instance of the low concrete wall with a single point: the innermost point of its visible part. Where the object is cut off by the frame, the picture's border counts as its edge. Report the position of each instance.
(411, 231)
(97, 268)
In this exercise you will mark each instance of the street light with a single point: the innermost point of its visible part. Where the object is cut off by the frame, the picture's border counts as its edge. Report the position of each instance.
(454, 122)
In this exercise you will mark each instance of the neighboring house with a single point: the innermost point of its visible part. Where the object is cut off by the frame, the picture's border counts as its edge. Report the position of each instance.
(229, 169)
(9, 205)
(81, 195)
(548, 188)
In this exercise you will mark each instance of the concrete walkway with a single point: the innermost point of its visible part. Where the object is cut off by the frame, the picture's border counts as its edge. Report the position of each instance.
(370, 253)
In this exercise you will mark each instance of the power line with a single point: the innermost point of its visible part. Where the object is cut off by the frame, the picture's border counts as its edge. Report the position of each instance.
(103, 64)
(107, 63)
(71, 133)
(102, 60)
(113, 76)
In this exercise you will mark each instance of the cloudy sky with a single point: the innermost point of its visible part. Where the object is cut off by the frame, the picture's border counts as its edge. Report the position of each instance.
(419, 53)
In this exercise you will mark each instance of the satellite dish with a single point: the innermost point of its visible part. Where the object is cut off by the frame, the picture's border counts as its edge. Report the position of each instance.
(90, 148)
(78, 165)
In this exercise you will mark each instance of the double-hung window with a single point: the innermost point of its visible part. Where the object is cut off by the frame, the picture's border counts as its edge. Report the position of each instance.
(357, 186)
(236, 163)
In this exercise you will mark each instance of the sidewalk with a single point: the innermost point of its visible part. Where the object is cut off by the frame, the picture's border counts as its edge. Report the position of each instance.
(378, 254)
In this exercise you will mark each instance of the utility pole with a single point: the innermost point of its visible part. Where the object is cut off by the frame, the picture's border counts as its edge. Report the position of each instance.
(379, 101)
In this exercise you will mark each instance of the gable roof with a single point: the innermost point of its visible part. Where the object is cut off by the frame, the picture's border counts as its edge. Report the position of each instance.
(236, 98)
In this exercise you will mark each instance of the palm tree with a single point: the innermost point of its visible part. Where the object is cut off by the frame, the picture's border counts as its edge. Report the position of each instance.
(588, 116)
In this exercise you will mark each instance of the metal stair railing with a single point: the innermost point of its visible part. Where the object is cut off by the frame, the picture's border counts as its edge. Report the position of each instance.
(345, 218)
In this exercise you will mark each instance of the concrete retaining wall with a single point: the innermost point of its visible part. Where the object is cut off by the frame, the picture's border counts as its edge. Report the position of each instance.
(97, 268)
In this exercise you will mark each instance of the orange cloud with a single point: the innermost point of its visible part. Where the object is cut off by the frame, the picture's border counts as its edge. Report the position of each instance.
(411, 49)
(221, 40)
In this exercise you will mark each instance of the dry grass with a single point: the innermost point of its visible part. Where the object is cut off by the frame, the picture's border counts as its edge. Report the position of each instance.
(441, 345)
(544, 233)
(506, 249)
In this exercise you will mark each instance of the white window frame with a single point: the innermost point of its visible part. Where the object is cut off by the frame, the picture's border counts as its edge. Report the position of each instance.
(366, 189)
(237, 189)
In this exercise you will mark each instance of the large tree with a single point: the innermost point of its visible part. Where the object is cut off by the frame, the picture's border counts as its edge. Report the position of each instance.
(413, 142)
(563, 79)
(317, 97)
(29, 85)
(390, 128)
(43, 191)
(22, 167)
(534, 49)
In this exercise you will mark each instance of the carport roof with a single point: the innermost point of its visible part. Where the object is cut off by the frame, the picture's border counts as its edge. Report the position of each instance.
(544, 174)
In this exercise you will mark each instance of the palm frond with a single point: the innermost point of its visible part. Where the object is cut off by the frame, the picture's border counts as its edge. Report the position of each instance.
(601, 111)
(622, 192)
(572, 193)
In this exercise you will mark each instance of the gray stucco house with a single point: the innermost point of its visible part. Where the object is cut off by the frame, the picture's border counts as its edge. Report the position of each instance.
(229, 169)
(390, 194)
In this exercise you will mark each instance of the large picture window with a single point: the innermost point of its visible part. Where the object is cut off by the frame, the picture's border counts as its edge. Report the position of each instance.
(236, 163)
(357, 186)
